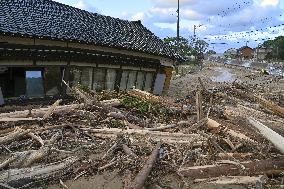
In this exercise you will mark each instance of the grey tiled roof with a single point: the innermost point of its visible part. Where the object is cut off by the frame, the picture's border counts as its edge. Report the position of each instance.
(53, 20)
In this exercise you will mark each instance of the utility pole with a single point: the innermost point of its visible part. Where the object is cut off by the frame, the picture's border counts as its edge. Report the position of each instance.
(178, 24)
(194, 31)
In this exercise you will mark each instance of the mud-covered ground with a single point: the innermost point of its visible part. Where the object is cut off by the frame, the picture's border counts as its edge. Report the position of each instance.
(216, 75)
(219, 76)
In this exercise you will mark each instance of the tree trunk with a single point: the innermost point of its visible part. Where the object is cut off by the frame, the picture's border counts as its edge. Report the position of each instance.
(145, 171)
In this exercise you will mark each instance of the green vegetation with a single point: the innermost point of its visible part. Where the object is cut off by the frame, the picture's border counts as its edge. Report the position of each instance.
(277, 46)
(145, 107)
(188, 48)
(183, 48)
(211, 52)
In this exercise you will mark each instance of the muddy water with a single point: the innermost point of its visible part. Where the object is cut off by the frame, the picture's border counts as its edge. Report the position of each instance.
(224, 75)
(273, 69)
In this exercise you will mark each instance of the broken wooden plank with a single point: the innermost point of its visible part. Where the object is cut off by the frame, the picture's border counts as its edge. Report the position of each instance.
(276, 139)
(262, 167)
(166, 137)
(27, 176)
(141, 177)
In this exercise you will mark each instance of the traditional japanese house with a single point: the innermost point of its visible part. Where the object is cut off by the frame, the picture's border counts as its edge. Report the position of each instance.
(43, 42)
(245, 52)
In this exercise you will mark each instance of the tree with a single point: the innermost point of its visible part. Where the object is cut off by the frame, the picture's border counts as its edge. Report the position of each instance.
(199, 47)
(182, 47)
(210, 52)
(277, 46)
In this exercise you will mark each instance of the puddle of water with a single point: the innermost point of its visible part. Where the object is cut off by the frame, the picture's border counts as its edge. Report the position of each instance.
(273, 70)
(224, 76)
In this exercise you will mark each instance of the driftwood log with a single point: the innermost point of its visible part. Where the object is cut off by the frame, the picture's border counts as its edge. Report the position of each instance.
(166, 137)
(262, 167)
(265, 103)
(217, 127)
(235, 180)
(153, 98)
(141, 177)
(39, 113)
(51, 109)
(276, 139)
(128, 151)
(27, 158)
(27, 176)
(17, 133)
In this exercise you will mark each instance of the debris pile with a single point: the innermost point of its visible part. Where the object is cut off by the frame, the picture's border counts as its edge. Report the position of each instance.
(144, 138)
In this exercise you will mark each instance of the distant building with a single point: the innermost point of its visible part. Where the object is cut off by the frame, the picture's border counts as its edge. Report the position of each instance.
(245, 52)
(43, 42)
(261, 52)
(231, 53)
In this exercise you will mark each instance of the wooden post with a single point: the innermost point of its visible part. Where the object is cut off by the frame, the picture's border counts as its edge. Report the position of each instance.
(199, 105)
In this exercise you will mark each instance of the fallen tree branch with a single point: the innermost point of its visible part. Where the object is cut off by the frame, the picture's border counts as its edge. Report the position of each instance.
(37, 138)
(128, 151)
(141, 177)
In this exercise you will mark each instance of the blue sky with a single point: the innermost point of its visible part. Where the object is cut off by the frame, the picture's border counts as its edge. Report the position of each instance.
(233, 22)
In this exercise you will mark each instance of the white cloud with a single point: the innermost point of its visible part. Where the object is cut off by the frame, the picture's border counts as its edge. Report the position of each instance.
(138, 16)
(266, 3)
(190, 14)
(171, 3)
(80, 4)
